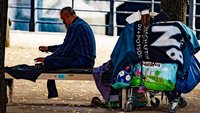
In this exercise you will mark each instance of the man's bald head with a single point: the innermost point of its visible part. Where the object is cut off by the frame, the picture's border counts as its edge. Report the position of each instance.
(67, 14)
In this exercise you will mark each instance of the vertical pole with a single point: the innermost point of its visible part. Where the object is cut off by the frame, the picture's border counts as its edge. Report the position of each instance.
(36, 14)
(73, 4)
(111, 19)
(152, 6)
(124, 98)
(32, 18)
(39, 4)
(114, 19)
(3, 21)
(192, 10)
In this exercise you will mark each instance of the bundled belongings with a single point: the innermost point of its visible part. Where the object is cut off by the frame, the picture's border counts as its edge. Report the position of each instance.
(156, 55)
(102, 76)
(25, 71)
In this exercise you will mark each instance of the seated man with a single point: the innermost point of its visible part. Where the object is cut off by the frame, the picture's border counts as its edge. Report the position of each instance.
(77, 51)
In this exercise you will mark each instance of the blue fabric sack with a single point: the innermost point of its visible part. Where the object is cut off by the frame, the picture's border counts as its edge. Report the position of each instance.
(186, 83)
(124, 78)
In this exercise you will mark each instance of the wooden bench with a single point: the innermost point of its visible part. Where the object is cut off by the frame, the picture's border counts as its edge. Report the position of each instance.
(64, 74)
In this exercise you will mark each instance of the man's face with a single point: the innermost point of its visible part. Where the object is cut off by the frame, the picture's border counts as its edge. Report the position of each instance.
(66, 19)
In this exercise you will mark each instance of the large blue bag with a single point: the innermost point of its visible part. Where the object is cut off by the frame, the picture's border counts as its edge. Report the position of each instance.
(186, 83)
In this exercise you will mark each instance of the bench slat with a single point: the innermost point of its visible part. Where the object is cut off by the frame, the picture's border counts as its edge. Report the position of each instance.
(53, 76)
(73, 70)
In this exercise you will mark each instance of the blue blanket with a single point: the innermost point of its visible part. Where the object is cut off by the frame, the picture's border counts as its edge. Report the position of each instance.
(24, 72)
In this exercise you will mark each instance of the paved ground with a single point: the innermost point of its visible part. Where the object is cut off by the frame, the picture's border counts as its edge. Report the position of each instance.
(74, 96)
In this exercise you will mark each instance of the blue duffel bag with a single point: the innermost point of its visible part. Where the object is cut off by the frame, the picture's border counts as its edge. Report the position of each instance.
(187, 82)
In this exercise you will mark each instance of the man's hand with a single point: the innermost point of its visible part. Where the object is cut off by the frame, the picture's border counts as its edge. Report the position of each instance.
(39, 59)
(43, 48)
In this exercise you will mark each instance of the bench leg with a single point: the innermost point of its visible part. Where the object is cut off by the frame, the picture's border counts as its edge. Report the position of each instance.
(124, 98)
(9, 83)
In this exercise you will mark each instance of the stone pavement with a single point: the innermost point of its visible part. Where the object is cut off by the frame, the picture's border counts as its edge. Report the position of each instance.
(75, 97)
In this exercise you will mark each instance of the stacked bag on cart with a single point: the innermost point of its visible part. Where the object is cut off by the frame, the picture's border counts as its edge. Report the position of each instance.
(169, 43)
(155, 76)
(151, 75)
(187, 81)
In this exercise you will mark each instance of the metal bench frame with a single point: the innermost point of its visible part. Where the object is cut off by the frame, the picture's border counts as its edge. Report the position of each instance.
(65, 74)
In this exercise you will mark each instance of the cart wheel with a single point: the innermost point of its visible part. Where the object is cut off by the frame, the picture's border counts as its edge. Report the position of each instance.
(156, 103)
(182, 102)
(128, 107)
(172, 107)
